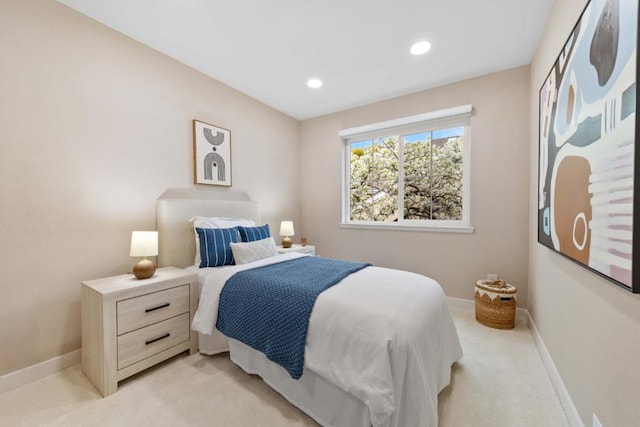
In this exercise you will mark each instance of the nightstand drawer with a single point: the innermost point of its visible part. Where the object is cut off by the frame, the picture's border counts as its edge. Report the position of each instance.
(146, 342)
(135, 313)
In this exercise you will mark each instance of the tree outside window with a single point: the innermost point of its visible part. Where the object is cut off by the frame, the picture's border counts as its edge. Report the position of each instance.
(431, 182)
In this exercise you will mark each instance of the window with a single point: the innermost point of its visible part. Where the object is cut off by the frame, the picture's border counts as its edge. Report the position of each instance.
(410, 172)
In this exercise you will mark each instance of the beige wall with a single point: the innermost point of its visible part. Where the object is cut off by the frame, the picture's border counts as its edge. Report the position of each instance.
(93, 128)
(590, 326)
(499, 193)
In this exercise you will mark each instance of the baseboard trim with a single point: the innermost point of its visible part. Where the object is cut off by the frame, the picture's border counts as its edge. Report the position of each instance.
(40, 370)
(563, 394)
(33, 373)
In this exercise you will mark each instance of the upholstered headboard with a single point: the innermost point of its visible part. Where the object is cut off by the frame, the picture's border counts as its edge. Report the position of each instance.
(174, 209)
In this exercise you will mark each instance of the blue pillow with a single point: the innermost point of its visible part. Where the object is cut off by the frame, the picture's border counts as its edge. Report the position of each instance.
(215, 246)
(251, 234)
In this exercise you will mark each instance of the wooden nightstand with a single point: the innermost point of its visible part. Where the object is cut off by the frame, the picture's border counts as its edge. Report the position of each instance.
(129, 325)
(309, 249)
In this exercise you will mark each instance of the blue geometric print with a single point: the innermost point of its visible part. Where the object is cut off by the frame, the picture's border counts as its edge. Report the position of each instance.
(215, 246)
(251, 234)
(268, 308)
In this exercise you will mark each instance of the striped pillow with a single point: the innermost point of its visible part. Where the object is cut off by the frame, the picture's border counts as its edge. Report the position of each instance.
(215, 222)
(251, 234)
(215, 246)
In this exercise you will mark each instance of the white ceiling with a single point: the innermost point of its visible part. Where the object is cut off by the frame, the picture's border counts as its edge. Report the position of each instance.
(359, 48)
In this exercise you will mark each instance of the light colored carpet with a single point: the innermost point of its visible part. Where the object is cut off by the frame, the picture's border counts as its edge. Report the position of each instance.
(500, 381)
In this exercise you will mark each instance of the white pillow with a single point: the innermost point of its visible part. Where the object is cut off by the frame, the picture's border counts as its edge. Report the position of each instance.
(205, 222)
(244, 253)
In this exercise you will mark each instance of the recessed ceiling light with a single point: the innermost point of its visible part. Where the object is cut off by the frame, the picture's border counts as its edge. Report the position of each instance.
(314, 83)
(420, 48)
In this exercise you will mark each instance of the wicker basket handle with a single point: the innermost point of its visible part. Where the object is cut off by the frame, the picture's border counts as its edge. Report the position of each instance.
(497, 283)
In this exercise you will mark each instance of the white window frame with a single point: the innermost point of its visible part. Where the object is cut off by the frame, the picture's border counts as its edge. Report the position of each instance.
(459, 116)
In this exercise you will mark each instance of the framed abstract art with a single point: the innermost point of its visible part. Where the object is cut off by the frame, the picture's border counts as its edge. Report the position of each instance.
(588, 186)
(211, 154)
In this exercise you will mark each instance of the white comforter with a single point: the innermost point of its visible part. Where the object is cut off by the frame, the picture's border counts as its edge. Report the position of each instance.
(385, 336)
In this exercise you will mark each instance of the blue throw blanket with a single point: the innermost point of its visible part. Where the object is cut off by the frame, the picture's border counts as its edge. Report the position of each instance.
(268, 308)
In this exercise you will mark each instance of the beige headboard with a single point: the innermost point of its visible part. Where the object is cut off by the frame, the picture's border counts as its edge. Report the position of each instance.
(176, 206)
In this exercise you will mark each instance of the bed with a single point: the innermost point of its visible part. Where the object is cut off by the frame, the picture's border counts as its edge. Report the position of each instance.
(380, 343)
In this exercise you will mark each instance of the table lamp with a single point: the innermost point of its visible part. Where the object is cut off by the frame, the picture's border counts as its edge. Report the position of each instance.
(286, 230)
(144, 244)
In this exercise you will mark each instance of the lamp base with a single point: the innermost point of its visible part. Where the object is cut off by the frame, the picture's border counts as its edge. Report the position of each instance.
(286, 242)
(144, 269)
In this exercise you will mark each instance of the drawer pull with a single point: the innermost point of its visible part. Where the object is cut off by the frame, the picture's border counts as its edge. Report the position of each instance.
(151, 341)
(157, 307)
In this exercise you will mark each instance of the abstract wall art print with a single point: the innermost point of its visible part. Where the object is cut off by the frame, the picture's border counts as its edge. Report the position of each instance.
(211, 154)
(588, 200)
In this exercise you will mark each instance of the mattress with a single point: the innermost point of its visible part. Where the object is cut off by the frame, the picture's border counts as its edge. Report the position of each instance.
(381, 341)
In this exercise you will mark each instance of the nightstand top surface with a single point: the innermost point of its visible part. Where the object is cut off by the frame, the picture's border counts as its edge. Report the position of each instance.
(295, 247)
(126, 282)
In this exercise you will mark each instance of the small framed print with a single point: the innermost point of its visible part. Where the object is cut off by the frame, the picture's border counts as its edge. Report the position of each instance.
(211, 154)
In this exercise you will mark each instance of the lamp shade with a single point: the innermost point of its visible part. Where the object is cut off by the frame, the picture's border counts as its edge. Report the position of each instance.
(286, 228)
(144, 243)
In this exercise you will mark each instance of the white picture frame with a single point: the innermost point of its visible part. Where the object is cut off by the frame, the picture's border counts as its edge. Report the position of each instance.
(211, 154)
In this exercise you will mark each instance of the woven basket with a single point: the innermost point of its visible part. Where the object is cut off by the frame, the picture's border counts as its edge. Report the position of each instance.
(495, 304)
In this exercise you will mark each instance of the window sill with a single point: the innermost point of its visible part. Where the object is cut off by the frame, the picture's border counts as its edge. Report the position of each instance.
(402, 227)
